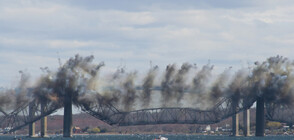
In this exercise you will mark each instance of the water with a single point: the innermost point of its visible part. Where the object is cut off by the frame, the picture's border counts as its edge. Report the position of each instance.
(151, 137)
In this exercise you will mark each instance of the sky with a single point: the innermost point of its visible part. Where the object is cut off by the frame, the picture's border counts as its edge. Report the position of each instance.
(133, 33)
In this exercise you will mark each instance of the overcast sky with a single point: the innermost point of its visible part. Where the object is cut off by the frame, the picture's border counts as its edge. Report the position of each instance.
(33, 33)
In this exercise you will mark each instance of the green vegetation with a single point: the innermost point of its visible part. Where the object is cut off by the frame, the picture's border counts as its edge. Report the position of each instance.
(94, 130)
(273, 125)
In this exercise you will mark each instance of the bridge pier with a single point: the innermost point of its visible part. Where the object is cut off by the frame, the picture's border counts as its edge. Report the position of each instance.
(235, 117)
(260, 120)
(31, 125)
(246, 122)
(43, 121)
(67, 117)
(235, 125)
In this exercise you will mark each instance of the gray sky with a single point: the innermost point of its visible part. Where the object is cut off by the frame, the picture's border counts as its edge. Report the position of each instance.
(135, 32)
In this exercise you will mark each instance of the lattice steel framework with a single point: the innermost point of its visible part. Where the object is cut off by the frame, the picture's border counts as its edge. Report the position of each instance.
(280, 113)
(225, 108)
(21, 116)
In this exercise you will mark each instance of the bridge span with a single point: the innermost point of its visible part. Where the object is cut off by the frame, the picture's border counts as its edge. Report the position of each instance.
(27, 114)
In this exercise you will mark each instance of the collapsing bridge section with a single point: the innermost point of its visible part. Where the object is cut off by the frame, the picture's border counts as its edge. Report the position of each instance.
(280, 113)
(225, 108)
(26, 114)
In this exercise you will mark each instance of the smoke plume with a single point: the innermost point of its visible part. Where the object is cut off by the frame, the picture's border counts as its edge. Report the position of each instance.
(166, 85)
(179, 82)
(147, 85)
(272, 79)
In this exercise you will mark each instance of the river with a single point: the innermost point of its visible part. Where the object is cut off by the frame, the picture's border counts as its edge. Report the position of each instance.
(151, 137)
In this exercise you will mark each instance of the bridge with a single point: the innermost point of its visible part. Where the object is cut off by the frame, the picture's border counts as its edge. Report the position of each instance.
(27, 114)
(268, 85)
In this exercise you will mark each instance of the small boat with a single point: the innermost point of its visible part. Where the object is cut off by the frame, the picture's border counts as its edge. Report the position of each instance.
(161, 138)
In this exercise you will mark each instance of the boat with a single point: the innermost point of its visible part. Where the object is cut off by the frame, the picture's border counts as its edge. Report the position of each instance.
(161, 138)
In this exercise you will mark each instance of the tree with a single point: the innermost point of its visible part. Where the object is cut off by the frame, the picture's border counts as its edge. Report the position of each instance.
(85, 129)
(103, 130)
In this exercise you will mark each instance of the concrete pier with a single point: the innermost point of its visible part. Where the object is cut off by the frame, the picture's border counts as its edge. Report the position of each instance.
(246, 122)
(235, 125)
(260, 120)
(235, 117)
(67, 117)
(43, 122)
(31, 125)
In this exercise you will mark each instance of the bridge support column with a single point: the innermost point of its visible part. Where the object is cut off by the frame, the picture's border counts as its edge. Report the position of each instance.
(31, 125)
(235, 125)
(67, 117)
(246, 122)
(43, 121)
(260, 120)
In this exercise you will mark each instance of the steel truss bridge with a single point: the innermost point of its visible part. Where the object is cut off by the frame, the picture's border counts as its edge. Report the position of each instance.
(33, 111)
